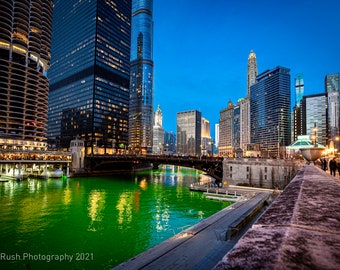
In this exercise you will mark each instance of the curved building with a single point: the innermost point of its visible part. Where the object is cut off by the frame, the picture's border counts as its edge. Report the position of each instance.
(141, 78)
(25, 36)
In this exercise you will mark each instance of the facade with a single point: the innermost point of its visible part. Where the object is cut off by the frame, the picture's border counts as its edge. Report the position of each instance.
(332, 90)
(206, 140)
(236, 129)
(25, 37)
(141, 78)
(225, 145)
(169, 143)
(189, 132)
(270, 111)
(252, 71)
(244, 123)
(314, 113)
(89, 75)
(217, 137)
(158, 133)
(296, 115)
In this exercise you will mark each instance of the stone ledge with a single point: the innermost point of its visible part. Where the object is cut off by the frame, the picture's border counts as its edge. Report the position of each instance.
(300, 230)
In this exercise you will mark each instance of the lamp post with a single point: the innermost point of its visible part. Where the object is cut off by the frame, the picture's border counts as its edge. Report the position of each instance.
(314, 136)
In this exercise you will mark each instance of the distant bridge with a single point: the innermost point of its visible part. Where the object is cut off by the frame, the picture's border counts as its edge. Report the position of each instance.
(106, 164)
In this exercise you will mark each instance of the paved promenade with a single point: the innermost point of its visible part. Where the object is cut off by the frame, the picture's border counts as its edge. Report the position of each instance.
(300, 229)
(202, 245)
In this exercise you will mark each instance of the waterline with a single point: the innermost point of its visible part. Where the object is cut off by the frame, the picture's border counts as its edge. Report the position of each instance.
(102, 220)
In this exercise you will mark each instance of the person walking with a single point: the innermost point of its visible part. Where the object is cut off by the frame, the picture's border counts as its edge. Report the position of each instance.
(333, 166)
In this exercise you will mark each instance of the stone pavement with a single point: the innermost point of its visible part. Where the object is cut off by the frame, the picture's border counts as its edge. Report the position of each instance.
(300, 229)
(201, 246)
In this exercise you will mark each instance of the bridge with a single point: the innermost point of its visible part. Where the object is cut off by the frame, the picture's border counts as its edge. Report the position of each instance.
(106, 164)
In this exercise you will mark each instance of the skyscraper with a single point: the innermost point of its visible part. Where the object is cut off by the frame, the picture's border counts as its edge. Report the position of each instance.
(270, 110)
(89, 75)
(225, 144)
(296, 115)
(25, 37)
(206, 140)
(332, 90)
(299, 88)
(189, 132)
(252, 71)
(158, 132)
(141, 84)
(314, 113)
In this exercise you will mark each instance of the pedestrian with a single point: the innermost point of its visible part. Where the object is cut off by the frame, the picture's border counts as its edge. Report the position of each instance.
(333, 166)
(338, 166)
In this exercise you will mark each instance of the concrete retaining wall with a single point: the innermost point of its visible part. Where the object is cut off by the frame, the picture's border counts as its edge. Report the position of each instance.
(260, 172)
(300, 230)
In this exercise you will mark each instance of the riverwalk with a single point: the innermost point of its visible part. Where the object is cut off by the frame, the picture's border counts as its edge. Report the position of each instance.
(204, 244)
(300, 230)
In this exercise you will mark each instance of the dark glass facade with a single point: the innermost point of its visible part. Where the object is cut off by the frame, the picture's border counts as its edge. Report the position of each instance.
(270, 99)
(141, 80)
(25, 37)
(90, 74)
(189, 130)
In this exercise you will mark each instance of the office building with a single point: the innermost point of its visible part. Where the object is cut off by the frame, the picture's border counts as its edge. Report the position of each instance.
(332, 90)
(252, 71)
(244, 104)
(25, 37)
(158, 133)
(225, 146)
(89, 75)
(169, 143)
(314, 113)
(270, 111)
(189, 132)
(217, 137)
(206, 140)
(236, 135)
(141, 84)
(296, 114)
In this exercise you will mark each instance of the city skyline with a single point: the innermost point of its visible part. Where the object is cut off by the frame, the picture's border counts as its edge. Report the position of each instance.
(208, 67)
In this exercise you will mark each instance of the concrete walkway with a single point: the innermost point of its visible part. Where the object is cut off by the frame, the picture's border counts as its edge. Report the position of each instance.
(300, 229)
(202, 245)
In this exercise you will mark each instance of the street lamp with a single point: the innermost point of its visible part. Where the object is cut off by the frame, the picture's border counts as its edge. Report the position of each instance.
(314, 136)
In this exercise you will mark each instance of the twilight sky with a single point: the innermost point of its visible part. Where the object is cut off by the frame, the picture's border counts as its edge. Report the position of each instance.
(201, 49)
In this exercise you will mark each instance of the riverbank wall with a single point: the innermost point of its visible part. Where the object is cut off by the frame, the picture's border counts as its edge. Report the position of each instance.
(300, 229)
(260, 172)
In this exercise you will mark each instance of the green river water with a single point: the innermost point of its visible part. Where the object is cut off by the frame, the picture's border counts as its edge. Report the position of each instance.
(96, 222)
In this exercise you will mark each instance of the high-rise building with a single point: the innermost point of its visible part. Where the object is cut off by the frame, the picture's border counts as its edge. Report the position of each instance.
(314, 114)
(141, 79)
(332, 90)
(244, 104)
(206, 140)
(217, 137)
(236, 127)
(270, 111)
(169, 143)
(299, 88)
(296, 115)
(25, 37)
(158, 132)
(225, 144)
(252, 71)
(89, 75)
(189, 132)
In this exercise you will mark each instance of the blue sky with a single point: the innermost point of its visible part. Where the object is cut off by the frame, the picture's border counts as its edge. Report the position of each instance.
(201, 49)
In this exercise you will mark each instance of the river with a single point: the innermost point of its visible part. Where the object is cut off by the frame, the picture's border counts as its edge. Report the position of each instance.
(96, 222)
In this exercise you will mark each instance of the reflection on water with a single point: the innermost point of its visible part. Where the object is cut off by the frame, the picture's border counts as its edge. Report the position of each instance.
(114, 218)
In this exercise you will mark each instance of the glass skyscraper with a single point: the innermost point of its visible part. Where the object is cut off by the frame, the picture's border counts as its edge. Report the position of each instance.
(90, 74)
(270, 110)
(189, 128)
(299, 88)
(332, 90)
(141, 78)
(314, 113)
(25, 37)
